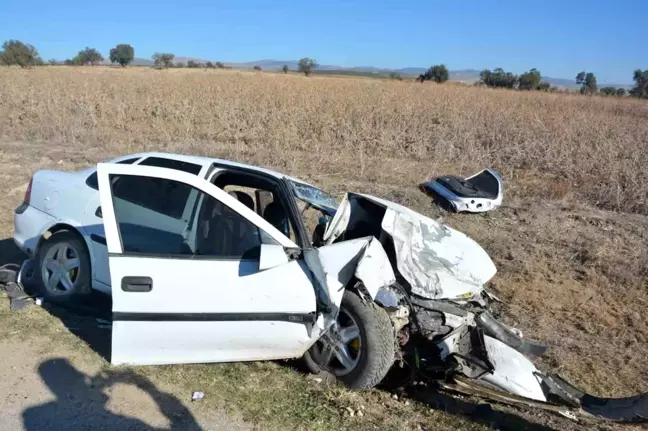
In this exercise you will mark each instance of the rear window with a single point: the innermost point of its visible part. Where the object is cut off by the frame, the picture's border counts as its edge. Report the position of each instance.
(91, 181)
(178, 165)
(159, 162)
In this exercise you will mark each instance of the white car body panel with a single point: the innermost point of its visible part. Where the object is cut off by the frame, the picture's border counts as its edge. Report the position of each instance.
(512, 372)
(333, 266)
(271, 256)
(204, 310)
(437, 261)
(471, 204)
(374, 268)
(29, 227)
(162, 343)
(215, 290)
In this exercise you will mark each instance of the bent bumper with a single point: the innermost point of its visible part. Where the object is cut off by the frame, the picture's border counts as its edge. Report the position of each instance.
(29, 225)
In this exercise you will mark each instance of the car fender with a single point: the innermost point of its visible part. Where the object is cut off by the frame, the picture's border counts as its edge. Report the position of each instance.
(333, 267)
(66, 224)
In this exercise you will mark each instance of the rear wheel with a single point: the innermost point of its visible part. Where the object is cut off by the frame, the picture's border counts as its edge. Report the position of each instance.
(63, 267)
(359, 349)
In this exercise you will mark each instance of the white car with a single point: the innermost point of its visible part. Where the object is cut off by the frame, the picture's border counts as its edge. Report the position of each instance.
(206, 261)
(211, 261)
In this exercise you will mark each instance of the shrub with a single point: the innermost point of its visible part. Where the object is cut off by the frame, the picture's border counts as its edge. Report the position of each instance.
(306, 66)
(498, 78)
(89, 56)
(15, 52)
(163, 59)
(438, 74)
(530, 80)
(123, 54)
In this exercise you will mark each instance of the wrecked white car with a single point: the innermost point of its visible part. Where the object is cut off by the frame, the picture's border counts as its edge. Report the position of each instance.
(228, 262)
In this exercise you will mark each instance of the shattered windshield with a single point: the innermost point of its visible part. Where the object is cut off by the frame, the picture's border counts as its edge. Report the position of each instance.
(315, 197)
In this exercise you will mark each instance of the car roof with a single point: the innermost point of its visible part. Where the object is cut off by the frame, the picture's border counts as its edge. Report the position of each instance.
(205, 161)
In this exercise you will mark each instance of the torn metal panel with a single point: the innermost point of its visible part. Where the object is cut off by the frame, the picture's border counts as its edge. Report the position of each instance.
(374, 269)
(334, 265)
(629, 409)
(340, 221)
(476, 388)
(506, 335)
(512, 372)
(436, 260)
(478, 193)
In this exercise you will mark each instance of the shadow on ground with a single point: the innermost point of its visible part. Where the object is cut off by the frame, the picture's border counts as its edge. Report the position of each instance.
(9, 253)
(90, 322)
(481, 413)
(81, 401)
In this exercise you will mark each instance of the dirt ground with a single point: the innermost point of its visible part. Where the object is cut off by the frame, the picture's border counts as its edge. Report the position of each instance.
(55, 389)
(571, 276)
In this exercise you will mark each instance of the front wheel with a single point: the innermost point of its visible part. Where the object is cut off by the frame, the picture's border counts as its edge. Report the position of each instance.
(359, 348)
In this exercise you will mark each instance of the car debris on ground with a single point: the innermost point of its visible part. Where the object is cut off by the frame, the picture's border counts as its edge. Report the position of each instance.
(476, 194)
(18, 298)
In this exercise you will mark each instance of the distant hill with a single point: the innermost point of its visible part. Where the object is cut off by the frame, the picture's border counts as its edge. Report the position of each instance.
(463, 75)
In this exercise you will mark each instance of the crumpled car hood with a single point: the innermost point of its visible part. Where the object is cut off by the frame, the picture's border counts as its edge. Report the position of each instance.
(436, 260)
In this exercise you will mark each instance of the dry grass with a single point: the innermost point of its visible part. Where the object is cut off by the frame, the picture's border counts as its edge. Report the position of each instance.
(573, 275)
(594, 148)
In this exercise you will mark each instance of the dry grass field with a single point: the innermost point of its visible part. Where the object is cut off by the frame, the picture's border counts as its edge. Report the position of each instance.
(570, 242)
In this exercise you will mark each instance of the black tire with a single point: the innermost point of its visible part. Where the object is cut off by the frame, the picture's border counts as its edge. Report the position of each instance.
(83, 279)
(377, 339)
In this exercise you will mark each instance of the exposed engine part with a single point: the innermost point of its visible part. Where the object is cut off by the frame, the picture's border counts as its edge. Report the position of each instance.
(508, 336)
(403, 337)
(387, 298)
(399, 317)
(443, 306)
(470, 353)
(432, 323)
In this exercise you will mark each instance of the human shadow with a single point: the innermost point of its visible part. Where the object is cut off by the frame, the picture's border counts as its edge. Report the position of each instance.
(81, 402)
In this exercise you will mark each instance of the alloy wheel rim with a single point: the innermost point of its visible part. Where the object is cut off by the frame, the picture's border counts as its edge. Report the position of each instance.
(340, 349)
(60, 268)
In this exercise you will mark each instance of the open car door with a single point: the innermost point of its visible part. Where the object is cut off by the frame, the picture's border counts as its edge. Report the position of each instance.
(196, 275)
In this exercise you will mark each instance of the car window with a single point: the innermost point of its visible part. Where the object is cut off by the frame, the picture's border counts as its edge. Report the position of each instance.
(178, 165)
(161, 195)
(213, 229)
(91, 181)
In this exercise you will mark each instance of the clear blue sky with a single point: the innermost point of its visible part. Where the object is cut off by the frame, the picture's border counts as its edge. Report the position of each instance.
(560, 38)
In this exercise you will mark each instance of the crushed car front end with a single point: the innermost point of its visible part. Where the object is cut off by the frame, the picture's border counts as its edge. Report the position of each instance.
(442, 314)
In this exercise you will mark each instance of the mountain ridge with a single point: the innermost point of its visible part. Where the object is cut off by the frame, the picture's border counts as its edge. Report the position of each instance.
(464, 75)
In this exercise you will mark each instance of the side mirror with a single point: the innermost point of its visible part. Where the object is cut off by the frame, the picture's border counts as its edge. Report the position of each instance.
(272, 255)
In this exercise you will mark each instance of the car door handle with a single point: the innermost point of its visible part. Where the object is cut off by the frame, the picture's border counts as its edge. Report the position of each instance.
(99, 213)
(137, 284)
